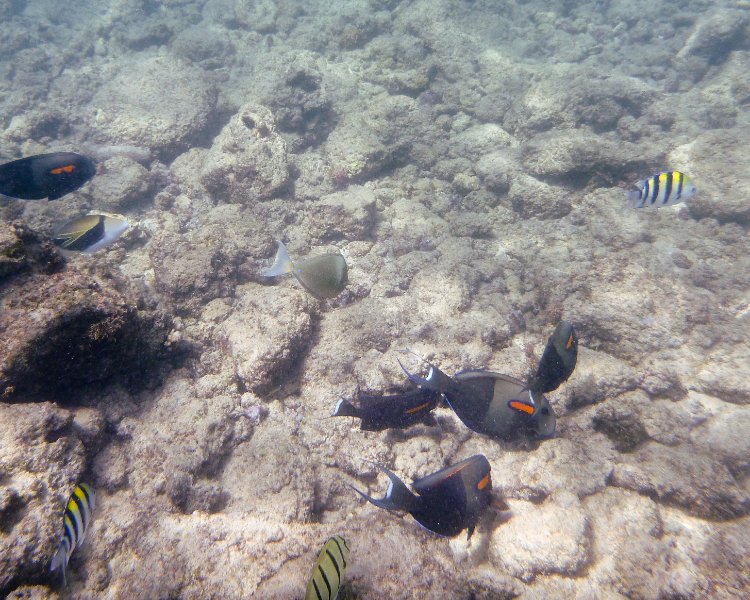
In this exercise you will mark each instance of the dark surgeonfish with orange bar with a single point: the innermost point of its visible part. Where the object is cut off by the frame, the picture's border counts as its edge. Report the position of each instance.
(558, 361)
(446, 502)
(79, 511)
(48, 176)
(390, 411)
(502, 406)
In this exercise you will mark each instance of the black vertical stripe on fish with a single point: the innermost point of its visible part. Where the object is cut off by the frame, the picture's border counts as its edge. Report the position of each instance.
(680, 179)
(82, 509)
(325, 579)
(644, 195)
(74, 522)
(343, 559)
(655, 191)
(668, 189)
(317, 591)
(335, 565)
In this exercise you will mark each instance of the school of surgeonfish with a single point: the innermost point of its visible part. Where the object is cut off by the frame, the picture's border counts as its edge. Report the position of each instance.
(77, 516)
(323, 276)
(663, 189)
(329, 569)
(446, 502)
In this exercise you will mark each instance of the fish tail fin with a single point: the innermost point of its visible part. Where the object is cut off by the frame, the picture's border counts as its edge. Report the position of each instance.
(397, 497)
(59, 561)
(632, 198)
(344, 408)
(281, 264)
(436, 380)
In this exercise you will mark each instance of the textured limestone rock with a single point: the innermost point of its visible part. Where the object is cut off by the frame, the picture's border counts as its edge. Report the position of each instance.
(159, 103)
(120, 183)
(71, 328)
(264, 354)
(685, 477)
(40, 463)
(248, 159)
(348, 215)
(540, 539)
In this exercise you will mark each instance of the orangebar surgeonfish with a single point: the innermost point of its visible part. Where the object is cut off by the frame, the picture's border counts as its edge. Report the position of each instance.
(328, 573)
(446, 502)
(390, 411)
(77, 516)
(558, 361)
(48, 176)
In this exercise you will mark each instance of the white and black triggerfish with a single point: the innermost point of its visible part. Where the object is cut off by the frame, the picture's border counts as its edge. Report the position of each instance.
(446, 502)
(663, 189)
(77, 516)
(493, 404)
(328, 573)
(323, 276)
(48, 176)
(390, 411)
(91, 232)
(558, 361)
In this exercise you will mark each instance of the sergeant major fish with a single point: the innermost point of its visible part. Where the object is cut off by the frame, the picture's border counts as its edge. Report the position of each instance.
(328, 573)
(77, 516)
(48, 176)
(323, 276)
(663, 189)
(446, 502)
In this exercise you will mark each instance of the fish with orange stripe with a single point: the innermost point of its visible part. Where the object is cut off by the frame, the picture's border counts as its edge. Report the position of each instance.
(50, 176)
(77, 517)
(398, 410)
(502, 406)
(446, 502)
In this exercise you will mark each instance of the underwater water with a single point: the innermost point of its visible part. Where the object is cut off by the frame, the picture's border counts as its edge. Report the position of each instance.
(450, 182)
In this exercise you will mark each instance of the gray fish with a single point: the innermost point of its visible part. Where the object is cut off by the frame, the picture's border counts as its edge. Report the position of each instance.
(48, 176)
(328, 573)
(323, 276)
(78, 514)
(91, 232)
(558, 361)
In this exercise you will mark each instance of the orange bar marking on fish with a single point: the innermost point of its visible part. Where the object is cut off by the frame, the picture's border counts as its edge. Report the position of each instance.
(521, 406)
(570, 342)
(416, 408)
(65, 169)
(483, 482)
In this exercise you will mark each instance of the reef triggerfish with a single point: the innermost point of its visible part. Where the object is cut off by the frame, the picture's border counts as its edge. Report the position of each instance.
(390, 411)
(324, 276)
(663, 189)
(91, 232)
(77, 516)
(446, 502)
(45, 175)
(328, 573)
(558, 361)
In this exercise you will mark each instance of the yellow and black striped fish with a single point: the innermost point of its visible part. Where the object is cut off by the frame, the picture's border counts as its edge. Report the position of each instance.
(78, 513)
(328, 573)
(663, 189)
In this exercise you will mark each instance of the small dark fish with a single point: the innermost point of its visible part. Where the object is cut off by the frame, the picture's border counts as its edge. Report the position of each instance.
(328, 573)
(390, 411)
(448, 501)
(492, 403)
(77, 516)
(91, 232)
(323, 276)
(558, 361)
(663, 189)
(45, 175)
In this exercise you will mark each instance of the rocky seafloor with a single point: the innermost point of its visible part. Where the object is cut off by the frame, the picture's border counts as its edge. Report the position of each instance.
(469, 159)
